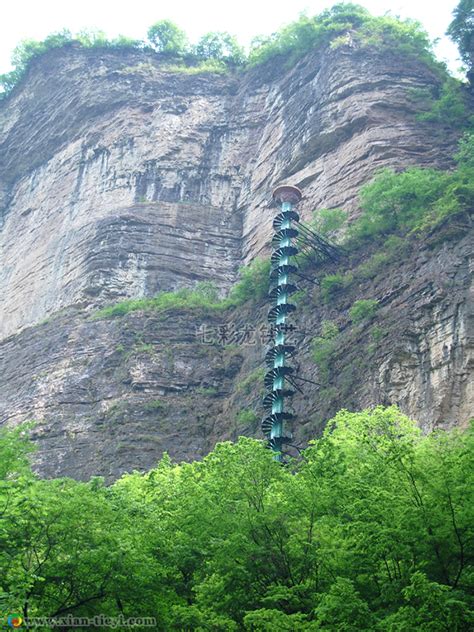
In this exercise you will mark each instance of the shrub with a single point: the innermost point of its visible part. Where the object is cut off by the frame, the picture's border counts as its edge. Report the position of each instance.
(377, 333)
(155, 405)
(29, 49)
(203, 295)
(254, 377)
(394, 247)
(363, 310)
(344, 23)
(253, 283)
(450, 108)
(329, 221)
(331, 284)
(465, 154)
(246, 417)
(329, 329)
(372, 266)
(208, 391)
(323, 347)
(415, 199)
(299, 297)
(397, 201)
(144, 347)
(208, 66)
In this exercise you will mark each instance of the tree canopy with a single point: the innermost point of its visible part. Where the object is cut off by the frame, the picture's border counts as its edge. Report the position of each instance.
(167, 37)
(372, 529)
(343, 24)
(220, 46)
(461, 31)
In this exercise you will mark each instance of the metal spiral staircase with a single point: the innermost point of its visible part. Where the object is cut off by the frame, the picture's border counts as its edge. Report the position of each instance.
(290, 237)
(278, 380)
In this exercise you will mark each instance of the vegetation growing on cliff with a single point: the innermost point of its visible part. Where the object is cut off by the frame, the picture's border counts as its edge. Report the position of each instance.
(393, 205)
(167, 37)
(344, 24)
(461, 31)
(251, 286)
(398, 210)
(397, 205)
(28, 50)
(371, 530)
(447, 105)
(202, 296)
(416, 199)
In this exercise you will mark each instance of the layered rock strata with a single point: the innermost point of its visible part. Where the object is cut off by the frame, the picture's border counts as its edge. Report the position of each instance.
(120, 177)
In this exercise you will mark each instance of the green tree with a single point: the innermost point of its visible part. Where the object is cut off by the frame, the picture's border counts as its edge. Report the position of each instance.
(373, 528)
(430, 607)
(328, 221)
(341, 608)
(465, 154)
(220, 46)
(331, 284)
(414, 199)
(271, 619)
(451, 108)
(461, 31)
(25, 51)
(166, 37)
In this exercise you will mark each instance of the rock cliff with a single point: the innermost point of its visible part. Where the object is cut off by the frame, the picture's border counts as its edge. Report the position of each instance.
(120, 177)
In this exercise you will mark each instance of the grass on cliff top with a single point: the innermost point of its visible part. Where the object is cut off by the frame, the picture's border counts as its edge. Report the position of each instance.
(343, 24)
(252, 285)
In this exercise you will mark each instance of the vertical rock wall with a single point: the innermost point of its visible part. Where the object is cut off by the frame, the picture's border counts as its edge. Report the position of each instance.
(120, 177)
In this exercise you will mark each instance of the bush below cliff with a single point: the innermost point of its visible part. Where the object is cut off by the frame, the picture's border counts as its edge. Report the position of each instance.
(371, 529)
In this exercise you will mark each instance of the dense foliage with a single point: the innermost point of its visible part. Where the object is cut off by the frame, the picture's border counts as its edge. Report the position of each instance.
(166, 37)
(30, 49)
(363, 309)
(371, 530)
(416, 199)
(219, 46)
(252, 285)
(461, 30)
(345, 23)
(447, 105)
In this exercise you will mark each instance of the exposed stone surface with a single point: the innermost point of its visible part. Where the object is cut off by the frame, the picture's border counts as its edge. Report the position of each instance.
(119, 178)
(112, 395)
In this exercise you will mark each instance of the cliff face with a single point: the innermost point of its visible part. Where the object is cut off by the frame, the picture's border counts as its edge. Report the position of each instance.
(120, 178)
